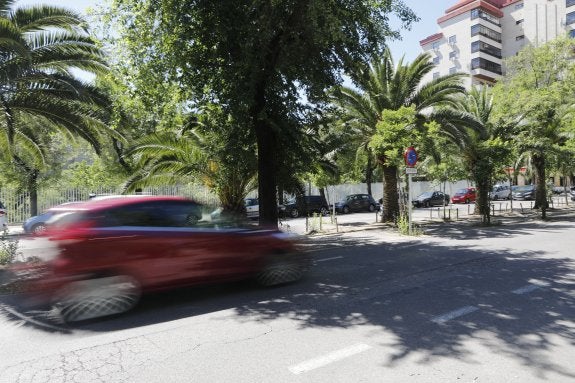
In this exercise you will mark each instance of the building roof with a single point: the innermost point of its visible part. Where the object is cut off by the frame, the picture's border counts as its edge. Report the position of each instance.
(492, 6)
(431, 38)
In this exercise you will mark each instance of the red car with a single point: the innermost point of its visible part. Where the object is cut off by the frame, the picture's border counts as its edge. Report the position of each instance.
(465, 195)
(111, 251)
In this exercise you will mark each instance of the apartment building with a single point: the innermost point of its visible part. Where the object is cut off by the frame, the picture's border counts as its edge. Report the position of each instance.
(476, 35)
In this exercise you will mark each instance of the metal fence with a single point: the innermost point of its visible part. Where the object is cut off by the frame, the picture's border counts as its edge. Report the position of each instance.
(17, 203)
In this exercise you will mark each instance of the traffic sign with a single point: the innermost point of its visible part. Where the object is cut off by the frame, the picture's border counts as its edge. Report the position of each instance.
(410, 156)
(410, 170)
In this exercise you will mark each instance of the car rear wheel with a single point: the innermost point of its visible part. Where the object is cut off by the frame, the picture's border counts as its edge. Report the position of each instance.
(345, 209)
(324, 211)
(283, 268)
(371, 208)
(294, 213)
(467, 200)
(426, 204)
(495, 197)
(38, 228)
(98, 297)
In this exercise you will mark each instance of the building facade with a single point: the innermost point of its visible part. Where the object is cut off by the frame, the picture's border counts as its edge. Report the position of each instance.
(476, 35)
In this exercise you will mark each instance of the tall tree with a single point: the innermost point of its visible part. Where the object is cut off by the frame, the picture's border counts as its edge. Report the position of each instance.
(383, 87)
(40, 47)
(542, 82)
(257, 58)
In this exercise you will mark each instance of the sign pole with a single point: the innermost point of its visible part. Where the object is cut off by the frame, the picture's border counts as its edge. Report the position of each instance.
(409, 201)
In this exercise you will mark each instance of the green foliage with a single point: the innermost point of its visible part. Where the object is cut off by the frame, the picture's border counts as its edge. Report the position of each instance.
(8, 249)
(402, 224)
(542, 82)
(394, 132)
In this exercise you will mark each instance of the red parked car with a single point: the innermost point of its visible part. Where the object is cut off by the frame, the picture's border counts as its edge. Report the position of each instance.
(465, 195)
(111, 251)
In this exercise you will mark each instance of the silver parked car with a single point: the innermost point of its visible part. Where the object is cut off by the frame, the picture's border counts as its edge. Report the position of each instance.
(500, 192)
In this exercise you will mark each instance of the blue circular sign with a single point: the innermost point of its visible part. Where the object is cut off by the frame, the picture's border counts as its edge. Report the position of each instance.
(410, 156)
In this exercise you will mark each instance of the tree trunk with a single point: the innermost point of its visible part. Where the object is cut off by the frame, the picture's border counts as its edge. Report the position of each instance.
(390, 194)
(482, 200)
(266, 141)
(33, 188)
(541, 192)
(368, 172)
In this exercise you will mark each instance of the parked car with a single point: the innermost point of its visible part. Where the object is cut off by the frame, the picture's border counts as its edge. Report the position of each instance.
(526, 192)
(356, 202)
(500, 192)
(37, 223)
(111, 251)
(432, 198)
(465, 195)
(3, 223)
(252, 207)
(304, 205)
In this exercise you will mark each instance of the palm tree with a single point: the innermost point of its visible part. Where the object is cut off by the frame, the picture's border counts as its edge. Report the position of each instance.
(482, 152)
(40, 47)
(220, 158)
(382, 86)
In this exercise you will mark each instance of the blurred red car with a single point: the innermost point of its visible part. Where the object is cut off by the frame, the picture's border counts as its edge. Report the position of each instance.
(465, 195)
(111, 251)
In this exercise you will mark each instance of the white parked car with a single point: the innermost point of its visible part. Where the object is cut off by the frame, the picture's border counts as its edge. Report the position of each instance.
(252, 207)
(3, 223)
(500, 192)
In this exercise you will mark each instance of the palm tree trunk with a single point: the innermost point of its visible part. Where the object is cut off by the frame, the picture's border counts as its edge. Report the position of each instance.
(390, 194)
(482, 201)
(368, 172)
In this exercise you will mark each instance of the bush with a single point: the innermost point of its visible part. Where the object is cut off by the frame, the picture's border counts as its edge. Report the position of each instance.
(8, 249)
(402, 224)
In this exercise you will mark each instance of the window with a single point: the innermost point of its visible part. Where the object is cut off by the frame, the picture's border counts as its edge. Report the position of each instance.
(569, 3)
(452, 70)
(478, 29)
(518, 5)
(435, 75)
(435, 60)
(570, 19)
(481, 63)
(519, 22)
(480, 46)
(479, 13)
(572, 33)
(452, 55)
(452, 40)
(435, 45)
(519, 38)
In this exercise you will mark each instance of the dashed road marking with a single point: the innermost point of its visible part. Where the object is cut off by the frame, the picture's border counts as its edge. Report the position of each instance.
(328, 259)
(440, 319)
(526, 289)
(332, 357)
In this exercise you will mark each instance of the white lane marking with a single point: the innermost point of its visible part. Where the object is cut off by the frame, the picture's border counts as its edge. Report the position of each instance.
(440, 319)
(525, 289)
(321, 361)
(328, 259)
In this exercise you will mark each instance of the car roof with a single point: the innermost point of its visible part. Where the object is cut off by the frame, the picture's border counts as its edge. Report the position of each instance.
(115, 201)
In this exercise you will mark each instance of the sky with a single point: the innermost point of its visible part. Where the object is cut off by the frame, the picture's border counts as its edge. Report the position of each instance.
(428, 11)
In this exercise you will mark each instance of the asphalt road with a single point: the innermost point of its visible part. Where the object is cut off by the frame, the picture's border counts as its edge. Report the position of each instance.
(461, 304)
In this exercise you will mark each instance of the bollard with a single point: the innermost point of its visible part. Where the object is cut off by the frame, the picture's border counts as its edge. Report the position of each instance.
(493, 209)
(457, 214)
(449, 214)
(320, 221)
(468, 207)
(306, 224)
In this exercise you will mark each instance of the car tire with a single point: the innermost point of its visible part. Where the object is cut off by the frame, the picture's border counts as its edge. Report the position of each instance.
(371, 208)
(467, 200)
(495, 197)
(294, 213)
(38, 229)
(426, 204)
(97, 297)
(345, 210)
(280, 269)
(324, 211)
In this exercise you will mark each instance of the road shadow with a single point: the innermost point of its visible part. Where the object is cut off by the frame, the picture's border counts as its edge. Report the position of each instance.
(398, 289)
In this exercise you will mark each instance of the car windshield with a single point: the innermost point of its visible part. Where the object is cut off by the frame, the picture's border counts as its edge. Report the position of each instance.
(461, 192)
(425, 195)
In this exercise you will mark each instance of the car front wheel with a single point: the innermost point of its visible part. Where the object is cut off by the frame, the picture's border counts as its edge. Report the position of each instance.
(38, 228)
(294, 213)
(345, 209)
(98, 297)
(283, 268)
(371, 208)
